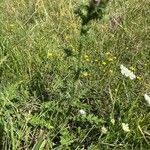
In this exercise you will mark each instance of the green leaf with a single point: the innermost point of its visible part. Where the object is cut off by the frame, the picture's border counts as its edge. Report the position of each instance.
(37, 121)
(39, 144)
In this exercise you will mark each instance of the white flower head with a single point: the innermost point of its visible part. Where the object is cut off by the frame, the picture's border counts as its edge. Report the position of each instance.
(125, 127)
(125, 71)
(104, 130)
(147, 98)
(112, 121)
(82, 112)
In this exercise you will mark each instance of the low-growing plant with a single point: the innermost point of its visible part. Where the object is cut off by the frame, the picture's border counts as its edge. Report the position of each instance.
(88, 13)
(74, 75)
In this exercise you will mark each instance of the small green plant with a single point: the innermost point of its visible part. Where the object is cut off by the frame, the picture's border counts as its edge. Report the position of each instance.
(42, 105)
(65, 138)
(88, 13)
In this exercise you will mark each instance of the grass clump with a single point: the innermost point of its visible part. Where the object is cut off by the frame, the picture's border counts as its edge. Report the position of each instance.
(43, 106)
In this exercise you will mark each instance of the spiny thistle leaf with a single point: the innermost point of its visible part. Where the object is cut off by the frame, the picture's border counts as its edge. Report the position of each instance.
(88, 13)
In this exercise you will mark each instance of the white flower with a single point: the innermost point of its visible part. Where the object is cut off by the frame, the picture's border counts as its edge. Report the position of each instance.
(125, 71)
(82, 112)
(125, 127)
(147, 98)
(104, 130)
(112, 121)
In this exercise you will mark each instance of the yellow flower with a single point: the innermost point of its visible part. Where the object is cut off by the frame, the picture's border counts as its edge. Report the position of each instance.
(73, 49)
(87, 59)
(104, 63)
(86, 56)
(111, 71)
(110, 59)
(108, 53)
(139, 78)
(49, 54)
(96, 60)
(85, 74)
(12, 25)
(67, 37)
(145, 64)
(131, 68)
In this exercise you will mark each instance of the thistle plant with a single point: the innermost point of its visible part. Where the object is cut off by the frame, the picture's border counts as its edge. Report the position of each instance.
(93, 11)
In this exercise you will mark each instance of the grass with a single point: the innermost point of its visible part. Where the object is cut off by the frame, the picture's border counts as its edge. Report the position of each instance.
(39, 99)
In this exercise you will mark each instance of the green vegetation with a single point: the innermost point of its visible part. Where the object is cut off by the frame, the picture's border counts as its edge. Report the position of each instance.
(45, 104)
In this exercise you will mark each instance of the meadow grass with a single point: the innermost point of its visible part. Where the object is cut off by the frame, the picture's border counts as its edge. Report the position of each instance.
(41, 105)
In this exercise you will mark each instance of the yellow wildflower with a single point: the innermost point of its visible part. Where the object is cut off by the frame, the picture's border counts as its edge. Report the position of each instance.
(85, 74)
(12, 25)
(87, 59)
(104, 63)
(86, 56)
(73, 49)
(49, 54)
(110, 59)
(131, 68)
(96, 60)
(111, 71)
(108, 53)
(139, 78)
(67, 37)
